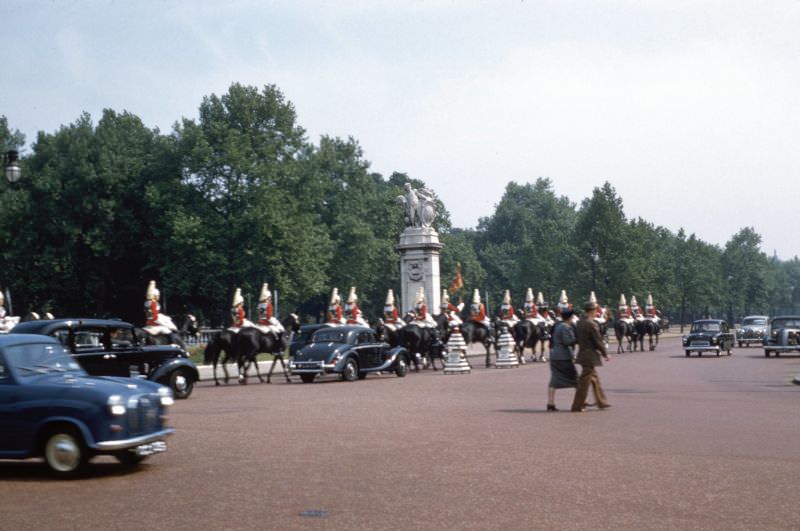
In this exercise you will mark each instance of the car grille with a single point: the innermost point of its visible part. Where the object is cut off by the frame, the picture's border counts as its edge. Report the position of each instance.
(143, 415)
(307, 364)
(700, 343)
(752, 334)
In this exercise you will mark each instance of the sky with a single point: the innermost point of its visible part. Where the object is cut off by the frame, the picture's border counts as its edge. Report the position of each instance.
(690, 109)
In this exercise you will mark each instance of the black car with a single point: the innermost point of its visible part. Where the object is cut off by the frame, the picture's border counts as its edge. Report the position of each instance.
(303, 337)
(783, 335)
(50, 407)
(752, 330)
(349, 350)
(709, 335)
(108, 347)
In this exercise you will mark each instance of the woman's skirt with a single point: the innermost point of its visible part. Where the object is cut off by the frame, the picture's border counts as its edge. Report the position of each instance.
(563, 374)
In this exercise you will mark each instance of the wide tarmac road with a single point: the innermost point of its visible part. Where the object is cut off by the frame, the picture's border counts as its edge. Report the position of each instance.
(690, 443)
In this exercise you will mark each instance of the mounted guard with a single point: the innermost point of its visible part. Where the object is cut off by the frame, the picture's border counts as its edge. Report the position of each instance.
(650, 311)
(564, 304)
(334, 313)
(156, 323)
(351, 312)
(7, 322)
(507, 312)
(451, 311)
(422, 317)
(624, 311)
(477, 311)
(636, 312)
(267, 323)
(238, 317)
(391, 316)
(544, 310)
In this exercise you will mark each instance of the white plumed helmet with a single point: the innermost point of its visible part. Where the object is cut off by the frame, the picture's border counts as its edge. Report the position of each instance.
(529, 295)
(237, 297)
(622, 301)
(390, 297)
(152, 291)
(507, 297)
(266, 294)
(476, 296)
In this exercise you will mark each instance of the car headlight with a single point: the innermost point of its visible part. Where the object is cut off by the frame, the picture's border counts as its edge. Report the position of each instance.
(116, 406)
(713, 340)
(165, 394)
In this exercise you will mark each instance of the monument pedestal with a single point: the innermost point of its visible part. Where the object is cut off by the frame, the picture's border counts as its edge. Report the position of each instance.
(456, 361)
(506, 357)
(419, 267)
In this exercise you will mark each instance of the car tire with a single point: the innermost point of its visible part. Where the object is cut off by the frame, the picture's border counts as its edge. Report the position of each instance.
(699, 354)
(718, 352)
(129, 458)
(362, 375)
(181, 383)
(65, 452)
(740, 344)
(350, 370)
(402, 367)
(766, 353)
(307, 378)
(688, 353)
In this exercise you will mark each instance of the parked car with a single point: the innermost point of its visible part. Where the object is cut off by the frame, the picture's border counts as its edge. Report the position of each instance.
(709, 335)
(303, 337)
(350, 351)
(109, 347)
(50, 407)
(783, 335)
(752, 330)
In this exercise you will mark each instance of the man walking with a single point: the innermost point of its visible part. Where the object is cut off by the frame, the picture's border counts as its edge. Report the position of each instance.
(590, 349)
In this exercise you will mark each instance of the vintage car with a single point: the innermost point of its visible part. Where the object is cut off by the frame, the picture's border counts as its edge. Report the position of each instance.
(709, 335)
(50, 407)
(349, 350)
(108, 347)
(783, 335)
(303, 337)
(752, 330)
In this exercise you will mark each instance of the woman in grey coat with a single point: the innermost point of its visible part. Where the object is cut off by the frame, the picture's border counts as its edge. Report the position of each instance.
(562, 367)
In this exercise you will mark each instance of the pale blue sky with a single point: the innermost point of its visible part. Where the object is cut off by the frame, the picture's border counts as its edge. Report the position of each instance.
(691, 109)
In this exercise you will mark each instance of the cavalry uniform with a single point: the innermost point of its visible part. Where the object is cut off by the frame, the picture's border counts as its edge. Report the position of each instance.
(650, 309)
(267, 322)
(451, 311)
(564, 304)
(507, 313)
(477, 311)
(423, 318)
(391, 317)
(334, 314)
(351, 311)
(602, 315)
(238, 317)
(544, 310)
(156, 323)
(636, 312)
(624, 311)
(7, 322)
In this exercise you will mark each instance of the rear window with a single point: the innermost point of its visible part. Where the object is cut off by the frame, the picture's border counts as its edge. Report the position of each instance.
(330, 336)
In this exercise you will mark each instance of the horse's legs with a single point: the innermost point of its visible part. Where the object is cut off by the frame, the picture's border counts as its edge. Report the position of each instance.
(285, 370)
(225, 368)
(216, 382)
(271, 368)
(258, 371)
(488, 364)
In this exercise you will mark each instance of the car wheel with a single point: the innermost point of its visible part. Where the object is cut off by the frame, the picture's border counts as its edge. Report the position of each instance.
(402, 367)
(699, 354)
(766, 353)
(718, 352)
(362, 375)
(740, 344)
(688, 352)
(65, 453)
(307, 378)
(181, 383)
(350, 371)
(129, 458)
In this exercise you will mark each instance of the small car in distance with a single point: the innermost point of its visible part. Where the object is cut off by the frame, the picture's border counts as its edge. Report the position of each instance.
(109, 347)
(783, 335)
(348, 350)
(50, 408)
(709, 335)
(752, 330)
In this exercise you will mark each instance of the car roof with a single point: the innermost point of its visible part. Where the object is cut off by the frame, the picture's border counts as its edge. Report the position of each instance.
(786, 317)
(46, 326)
(755, 316)
(709, 320)
(7, 340)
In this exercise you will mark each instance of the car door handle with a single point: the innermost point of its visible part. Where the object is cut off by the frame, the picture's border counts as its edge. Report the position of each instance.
(110, 357)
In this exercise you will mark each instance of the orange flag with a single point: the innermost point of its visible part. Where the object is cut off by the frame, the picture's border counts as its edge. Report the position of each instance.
(457, 282)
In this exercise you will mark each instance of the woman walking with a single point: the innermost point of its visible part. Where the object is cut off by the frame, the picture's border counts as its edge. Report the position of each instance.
(562, 368)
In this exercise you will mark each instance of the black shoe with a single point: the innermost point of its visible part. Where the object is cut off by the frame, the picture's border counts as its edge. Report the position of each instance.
(578, 410)
(604, 406)
(551, 407)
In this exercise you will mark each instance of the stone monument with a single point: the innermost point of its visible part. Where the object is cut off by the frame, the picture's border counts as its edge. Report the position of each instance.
(419, 249)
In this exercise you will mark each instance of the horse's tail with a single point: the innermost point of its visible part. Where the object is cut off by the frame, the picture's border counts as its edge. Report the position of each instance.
(211, 353)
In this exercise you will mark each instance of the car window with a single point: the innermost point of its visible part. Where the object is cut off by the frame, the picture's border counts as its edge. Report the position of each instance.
(88, 338)
(329, 336)
(786, 323)
(121, 338)
(754, 321)
(34, 359)
(365, 338)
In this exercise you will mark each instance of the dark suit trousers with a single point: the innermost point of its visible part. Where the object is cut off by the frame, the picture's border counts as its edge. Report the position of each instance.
(589, 377)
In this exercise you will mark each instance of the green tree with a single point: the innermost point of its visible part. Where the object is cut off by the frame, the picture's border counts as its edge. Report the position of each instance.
(745, 270)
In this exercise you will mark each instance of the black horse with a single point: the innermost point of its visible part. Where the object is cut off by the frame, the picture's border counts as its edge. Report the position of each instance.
(649, 328)
(423, 344)
(624, 330)
(478, 333)
(251, 341)
(528, 334)
(223, 342)
(386, 334)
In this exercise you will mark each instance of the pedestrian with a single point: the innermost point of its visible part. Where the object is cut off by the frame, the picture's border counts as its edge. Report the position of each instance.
(591, 349)
(562, 368)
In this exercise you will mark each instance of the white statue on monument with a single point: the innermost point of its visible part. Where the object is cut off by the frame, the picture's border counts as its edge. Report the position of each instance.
(419, 205)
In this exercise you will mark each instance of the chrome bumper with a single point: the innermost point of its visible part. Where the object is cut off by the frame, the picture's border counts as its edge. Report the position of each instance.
(150, 440)
(310, 367)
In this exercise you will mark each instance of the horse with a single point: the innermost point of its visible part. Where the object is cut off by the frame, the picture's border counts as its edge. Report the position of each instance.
(186, 325)
(527, 334)
(478, 333)
(650, 328)
(624, 330)
(251, 341)
(422, 342)
(384, 333)
(224, 341)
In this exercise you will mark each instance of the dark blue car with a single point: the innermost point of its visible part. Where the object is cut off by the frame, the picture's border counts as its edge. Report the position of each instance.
(50, 408)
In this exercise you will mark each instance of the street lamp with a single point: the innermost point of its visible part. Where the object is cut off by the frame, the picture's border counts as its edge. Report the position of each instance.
(730, 300)
(11, 166)
(595, 258)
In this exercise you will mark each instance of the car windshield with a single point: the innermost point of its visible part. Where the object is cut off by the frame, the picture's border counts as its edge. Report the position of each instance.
(793, 322)
(330, 336)
(751, 321)
(705, 326)
(32, 359)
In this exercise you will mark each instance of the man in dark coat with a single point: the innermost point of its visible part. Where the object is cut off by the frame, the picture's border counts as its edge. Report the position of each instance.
(591, 349)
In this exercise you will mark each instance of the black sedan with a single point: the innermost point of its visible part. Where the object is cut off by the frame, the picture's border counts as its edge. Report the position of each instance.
(108, 347)
(709, 335)
(50, 407)
(350, 351)
(783, 335)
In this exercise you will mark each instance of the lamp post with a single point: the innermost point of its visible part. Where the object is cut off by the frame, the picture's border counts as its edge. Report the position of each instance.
(11, 166)
(730, 300)
(595, 258)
